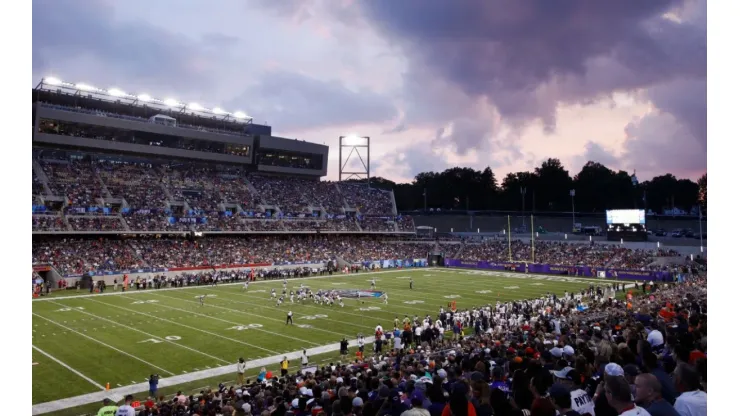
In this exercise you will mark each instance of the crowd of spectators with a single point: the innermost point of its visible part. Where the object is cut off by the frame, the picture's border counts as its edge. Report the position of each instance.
(378, 224)
(586, 354)
(95, 223)
(286, 194)
(367, 200)
(77, 256)
(180, 252)
(564, 254)
(139, 184)
(76, 180)
(48, 223)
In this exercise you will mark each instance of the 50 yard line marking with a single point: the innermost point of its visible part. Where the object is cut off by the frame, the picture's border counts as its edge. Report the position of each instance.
(56, 360)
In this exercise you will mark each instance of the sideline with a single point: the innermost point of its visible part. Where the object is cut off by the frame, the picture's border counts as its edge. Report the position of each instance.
(118, 393)
(241, 282)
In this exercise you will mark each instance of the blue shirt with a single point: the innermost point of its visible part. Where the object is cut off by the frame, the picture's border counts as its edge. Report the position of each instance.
(661, 408)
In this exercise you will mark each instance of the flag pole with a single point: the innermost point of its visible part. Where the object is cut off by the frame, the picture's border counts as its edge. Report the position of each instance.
(508, 233)
(532, 217)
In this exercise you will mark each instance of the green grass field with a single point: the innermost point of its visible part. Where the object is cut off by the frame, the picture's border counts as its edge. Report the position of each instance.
(81, 342)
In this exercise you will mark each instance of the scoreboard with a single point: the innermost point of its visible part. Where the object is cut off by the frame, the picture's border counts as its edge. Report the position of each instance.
(626, 224)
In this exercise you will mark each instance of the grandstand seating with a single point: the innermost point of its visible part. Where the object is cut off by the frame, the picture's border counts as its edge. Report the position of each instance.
(143, 196)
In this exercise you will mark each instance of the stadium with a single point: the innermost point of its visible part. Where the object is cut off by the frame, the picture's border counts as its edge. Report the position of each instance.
(186, 260)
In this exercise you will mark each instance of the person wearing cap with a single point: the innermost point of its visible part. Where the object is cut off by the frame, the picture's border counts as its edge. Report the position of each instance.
(109, 408)
(580, 400)
(126, 409)
(648, 396)
(619, 395)
(417, 405)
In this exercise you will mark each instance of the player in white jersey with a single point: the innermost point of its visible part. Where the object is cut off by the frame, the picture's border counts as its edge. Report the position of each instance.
(340, 301)
(246, 286)
(279, 301)
(385, 298)
(372, 284)
(201, 298)
(291, 296)
(285, 284)
(273, 294)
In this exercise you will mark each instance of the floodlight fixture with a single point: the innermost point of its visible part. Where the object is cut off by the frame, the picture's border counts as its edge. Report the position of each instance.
(116, 92)
(359, 145)
(54, 84)
(85, 87)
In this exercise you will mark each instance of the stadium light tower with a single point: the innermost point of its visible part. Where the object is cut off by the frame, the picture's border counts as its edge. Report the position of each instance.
(359, 145)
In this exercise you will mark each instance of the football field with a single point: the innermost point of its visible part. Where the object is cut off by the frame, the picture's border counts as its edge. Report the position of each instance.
(83, 343)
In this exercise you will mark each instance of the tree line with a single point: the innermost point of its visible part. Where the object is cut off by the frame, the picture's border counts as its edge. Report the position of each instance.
(548, 188)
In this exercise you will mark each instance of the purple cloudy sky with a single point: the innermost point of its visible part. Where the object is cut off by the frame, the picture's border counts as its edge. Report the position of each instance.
(435, 83)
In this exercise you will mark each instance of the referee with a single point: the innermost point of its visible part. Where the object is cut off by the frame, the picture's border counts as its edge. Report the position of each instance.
(289, 319)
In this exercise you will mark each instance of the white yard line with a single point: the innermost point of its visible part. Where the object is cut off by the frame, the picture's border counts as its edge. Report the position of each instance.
(96, 397)
(56, 360)
(104, 344)
(148, 334)
(190, 327)
(241, 282)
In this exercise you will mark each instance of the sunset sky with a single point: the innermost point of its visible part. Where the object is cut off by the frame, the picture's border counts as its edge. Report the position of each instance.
(435, 83)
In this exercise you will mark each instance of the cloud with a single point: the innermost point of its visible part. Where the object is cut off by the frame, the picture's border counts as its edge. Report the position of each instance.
(291, 101)
(659, 143)
(596, 153)
(70, 30)
(525, 59)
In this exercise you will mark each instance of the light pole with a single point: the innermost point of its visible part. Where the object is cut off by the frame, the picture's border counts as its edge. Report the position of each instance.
(573, 208)
(523, 191)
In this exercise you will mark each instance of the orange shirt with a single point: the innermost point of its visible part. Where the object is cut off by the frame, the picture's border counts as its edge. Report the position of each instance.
(448, 412)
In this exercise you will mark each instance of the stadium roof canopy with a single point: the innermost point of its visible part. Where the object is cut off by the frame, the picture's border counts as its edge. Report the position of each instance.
(52, 84)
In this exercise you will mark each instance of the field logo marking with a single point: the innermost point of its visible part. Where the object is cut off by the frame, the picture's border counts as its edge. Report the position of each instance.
(304, 326)
(452, 297)
(403, 277)
(139, 302)
(258, 291)
(207, 295)
(338, 284)
(413, 302)
(511, 287)
(368, 309)
(243, 327)
(79, 308)
(312, 317)
(537, 284)
(483, 292)
(159, 341)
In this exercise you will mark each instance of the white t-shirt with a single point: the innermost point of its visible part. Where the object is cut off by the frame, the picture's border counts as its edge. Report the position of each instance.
(581, 402)
(692, 403)
(636, 411)
(126, 410)
(304, 359)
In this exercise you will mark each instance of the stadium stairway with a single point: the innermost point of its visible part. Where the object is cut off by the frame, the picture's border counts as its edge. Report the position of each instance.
(344, 202)
(395, 209)
(41, 175)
